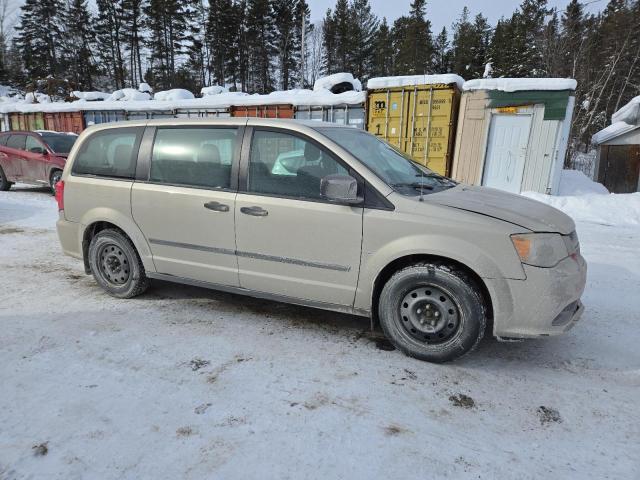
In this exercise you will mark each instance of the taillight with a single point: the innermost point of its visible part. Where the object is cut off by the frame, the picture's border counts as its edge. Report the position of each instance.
(60, 194)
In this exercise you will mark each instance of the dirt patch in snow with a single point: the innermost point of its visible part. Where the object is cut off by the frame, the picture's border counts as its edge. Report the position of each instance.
(394, 430)
(10, 230)
(41, 449)
(463, 401)
(548, 415)
(198, 363)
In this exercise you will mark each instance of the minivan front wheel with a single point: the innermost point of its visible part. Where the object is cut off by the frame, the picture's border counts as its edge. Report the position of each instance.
(432, 312)
(115, 264)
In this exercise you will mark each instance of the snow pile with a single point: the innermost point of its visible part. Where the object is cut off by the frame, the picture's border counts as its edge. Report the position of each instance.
(520, 84)
(91, 96)
(213, 90)
(588, 201)
(411, 80)
(174, 94)
(630, 113)
(337, 80)
(145, 87)
(614, 130)
(128, 95)
(574, 182)
(37, 97)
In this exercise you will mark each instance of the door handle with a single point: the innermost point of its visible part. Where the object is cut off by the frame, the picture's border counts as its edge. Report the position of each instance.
(217, 206)
(254, 211)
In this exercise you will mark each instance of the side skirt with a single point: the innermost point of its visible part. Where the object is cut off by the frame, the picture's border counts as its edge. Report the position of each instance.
(254, 293)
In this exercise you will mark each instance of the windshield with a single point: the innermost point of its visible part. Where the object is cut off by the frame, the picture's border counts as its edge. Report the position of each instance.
(393, 167)
(59, 143)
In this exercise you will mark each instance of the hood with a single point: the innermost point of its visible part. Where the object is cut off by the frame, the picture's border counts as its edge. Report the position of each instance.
(522, 211)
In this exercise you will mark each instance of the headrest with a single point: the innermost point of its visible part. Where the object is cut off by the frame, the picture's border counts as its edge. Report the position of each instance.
(311, 152)
(209, 153)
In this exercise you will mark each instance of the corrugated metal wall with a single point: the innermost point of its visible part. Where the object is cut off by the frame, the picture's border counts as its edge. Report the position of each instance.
(352, 115)
(64, 121)
(263, 111)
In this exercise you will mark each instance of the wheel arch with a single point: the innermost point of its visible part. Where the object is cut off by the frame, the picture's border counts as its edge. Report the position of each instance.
(407, 260)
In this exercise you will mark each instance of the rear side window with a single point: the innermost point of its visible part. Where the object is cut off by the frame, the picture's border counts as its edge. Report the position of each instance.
(199, 157)
(16, 141)
(109, 153)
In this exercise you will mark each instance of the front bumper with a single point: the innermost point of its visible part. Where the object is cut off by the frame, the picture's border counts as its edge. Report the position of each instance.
(546, 303)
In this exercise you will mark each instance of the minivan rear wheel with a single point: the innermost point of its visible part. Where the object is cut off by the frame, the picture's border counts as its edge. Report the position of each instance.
(432, 312)
(116, 265)
(4, 183)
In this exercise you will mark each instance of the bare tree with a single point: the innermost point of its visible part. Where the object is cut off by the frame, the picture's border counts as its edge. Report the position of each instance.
(314, 53)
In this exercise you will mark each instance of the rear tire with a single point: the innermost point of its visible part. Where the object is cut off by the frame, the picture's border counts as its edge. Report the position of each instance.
(433, 312)
(54, 178)
(116, 265)
(4, 183)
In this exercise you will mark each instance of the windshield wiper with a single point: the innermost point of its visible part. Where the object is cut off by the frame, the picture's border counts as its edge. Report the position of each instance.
(418, 185)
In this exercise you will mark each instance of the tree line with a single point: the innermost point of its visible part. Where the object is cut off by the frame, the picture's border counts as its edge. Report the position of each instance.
(257, 46)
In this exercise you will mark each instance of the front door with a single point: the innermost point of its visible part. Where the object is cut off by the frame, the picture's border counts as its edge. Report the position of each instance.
(186, 208)
(12, 156)
(506, 151)
(291, 242)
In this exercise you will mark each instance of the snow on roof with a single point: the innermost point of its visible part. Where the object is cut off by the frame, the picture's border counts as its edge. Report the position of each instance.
(630, 113)
(223, 100)
(612, 131)
(410, 80)
(328, 82)
(520, 84)
(91, 96)
(213, 90)
(173, 94)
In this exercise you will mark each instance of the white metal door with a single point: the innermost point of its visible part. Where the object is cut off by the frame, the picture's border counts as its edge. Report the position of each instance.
(506, 152)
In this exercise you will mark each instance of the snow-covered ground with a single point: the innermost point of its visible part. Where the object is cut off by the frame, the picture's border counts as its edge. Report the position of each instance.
(189, 383)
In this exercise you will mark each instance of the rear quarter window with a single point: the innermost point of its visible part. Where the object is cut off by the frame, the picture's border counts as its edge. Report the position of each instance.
(109, 153)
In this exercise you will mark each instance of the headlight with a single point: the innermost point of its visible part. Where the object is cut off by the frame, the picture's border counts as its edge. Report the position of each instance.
(540, 249)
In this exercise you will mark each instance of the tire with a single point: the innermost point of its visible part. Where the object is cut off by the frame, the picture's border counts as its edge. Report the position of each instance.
(116, 265)
(54, 178)
(4, 183)
(433, 312)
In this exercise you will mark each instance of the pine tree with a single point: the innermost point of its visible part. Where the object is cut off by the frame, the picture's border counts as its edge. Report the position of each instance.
(168, 22)
(40, 36)
(462, 46)
(551, 47)
(79, 39)
(364, 26)
(260, 33)
(111, 42)
(132, 26)
(413, 45)
(383, 59)
(342, 36)
(289, 16)
(442, 53)
(329, 43)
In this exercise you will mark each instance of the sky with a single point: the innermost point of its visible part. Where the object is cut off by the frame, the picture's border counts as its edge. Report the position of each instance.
(443, 13)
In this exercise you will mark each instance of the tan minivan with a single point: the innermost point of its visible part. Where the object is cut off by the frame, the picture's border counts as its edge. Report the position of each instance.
(322, 215)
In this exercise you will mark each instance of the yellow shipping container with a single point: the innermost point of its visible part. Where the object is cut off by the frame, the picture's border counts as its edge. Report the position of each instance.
(419, 120)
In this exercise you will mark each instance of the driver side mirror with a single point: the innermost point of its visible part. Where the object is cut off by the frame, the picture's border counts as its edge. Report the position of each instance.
(340, 189)
(40, 150)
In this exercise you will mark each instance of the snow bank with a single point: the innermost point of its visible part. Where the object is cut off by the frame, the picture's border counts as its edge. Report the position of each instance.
(630, 113)
(213, 90)
(91, 96)
(409, 80)
(574, 182)
(614, 130)
(588, 201)
(174, 94)
(329, 82)
(37, 97)
(128, 95)
(520, 84)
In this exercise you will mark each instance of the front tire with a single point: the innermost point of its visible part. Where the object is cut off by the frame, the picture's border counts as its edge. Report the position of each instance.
(432, 312)
(4, 183)
(116, 265)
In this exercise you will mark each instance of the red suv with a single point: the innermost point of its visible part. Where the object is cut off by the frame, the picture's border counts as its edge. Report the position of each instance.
(33, 157)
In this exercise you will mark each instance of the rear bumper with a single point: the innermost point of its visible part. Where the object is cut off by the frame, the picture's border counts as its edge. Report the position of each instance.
(546, 303)
(70, 236)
